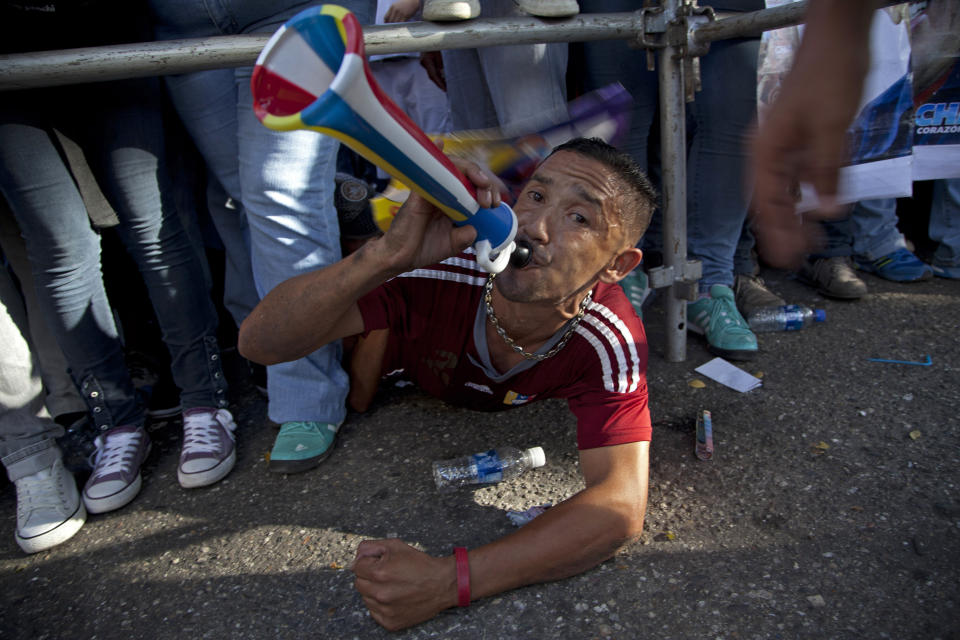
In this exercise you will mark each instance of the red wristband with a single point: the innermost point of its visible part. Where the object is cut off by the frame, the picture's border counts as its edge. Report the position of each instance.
(463, 576)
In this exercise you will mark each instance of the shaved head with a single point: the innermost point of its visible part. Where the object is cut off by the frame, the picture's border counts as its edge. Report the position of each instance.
(639, 196)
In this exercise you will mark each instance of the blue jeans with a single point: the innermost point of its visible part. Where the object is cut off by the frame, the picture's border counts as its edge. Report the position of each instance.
(118, 125)
(868, 232)
(214, 132)
(283, 180)
(62, 396)
(945, 222)
(837, 239)
(518, 88)
(718, 122)
(873, 224)
(745, 257)
(27, 432)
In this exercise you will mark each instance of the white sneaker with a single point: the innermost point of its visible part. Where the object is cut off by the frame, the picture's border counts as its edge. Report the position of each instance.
(446, 10)
(209, 451)
(49, 509)
(549, 8)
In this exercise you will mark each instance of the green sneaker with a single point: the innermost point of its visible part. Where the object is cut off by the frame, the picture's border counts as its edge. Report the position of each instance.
(636, 287)
(728, 334)
(300, 446)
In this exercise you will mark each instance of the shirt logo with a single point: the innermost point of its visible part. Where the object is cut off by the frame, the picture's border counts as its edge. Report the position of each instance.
(514, 398)
(441, 364)
(479, 387)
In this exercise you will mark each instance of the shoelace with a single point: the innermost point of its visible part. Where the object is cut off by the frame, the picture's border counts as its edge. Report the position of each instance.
(116, 452)
(305, 427)
(837, 268)
(39, 491)
(723, 313)
(200, 434)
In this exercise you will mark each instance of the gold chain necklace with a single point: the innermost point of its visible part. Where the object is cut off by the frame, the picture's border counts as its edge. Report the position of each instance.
(488, 301)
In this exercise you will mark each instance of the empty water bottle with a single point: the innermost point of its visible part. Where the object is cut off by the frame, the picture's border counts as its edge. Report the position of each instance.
(490, 466)
(790, 317)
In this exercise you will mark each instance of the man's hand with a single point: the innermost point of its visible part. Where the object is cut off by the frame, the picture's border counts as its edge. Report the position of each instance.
(402, 586)
(422, 235)
(308, 311)
(804, 136)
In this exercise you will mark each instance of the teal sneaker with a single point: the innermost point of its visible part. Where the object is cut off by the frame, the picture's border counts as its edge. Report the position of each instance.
(300, 446)
(728, 334)
(637, 289)
(899, 266)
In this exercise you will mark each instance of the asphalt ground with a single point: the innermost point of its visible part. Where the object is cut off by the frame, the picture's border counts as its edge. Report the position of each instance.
(829, 510)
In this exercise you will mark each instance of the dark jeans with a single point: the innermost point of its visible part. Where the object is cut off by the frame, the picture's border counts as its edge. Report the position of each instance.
(119, 127)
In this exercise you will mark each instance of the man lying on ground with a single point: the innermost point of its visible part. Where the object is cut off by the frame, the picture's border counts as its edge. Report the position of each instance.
(457, 332)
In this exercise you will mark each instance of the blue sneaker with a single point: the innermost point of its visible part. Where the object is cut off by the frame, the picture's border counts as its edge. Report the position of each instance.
(300, 446)
(728, 334)
(899, 266)
(944, 271)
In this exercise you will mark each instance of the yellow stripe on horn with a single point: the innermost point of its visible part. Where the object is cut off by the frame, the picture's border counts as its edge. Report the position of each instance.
(338, 13)
(292, 122)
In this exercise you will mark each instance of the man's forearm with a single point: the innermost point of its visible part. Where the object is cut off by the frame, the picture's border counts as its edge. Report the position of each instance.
(843, 14)
(839, 23)
(566, 540)
(306, 312)
(578, 533)
(402, 586)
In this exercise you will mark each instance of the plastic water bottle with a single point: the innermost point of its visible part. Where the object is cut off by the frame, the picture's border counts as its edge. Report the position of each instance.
(490, 466)
(791, 317)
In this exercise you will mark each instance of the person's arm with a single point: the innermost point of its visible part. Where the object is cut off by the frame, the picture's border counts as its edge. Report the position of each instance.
(402, 586)
(804, 136)
(432, 62)
(307, 311)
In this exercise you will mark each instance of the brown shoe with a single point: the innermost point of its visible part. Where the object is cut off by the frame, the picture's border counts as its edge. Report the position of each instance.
(833, 277)
(752, 295)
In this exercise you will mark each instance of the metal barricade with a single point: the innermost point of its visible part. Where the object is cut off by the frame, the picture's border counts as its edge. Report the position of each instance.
(678, 31)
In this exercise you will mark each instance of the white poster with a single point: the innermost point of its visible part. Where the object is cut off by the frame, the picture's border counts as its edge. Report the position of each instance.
(881, 136)
(935, 40)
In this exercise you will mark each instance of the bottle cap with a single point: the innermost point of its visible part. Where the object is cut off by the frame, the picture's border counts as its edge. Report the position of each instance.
(537, 457)
(819, 315)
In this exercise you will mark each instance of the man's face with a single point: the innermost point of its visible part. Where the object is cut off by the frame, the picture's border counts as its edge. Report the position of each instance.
(569, 212)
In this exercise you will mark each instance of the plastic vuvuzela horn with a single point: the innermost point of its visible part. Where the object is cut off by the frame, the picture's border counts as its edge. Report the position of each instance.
(313, 75)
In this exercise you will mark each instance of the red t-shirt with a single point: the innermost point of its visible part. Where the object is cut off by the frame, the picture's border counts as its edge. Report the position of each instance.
(436, 319)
